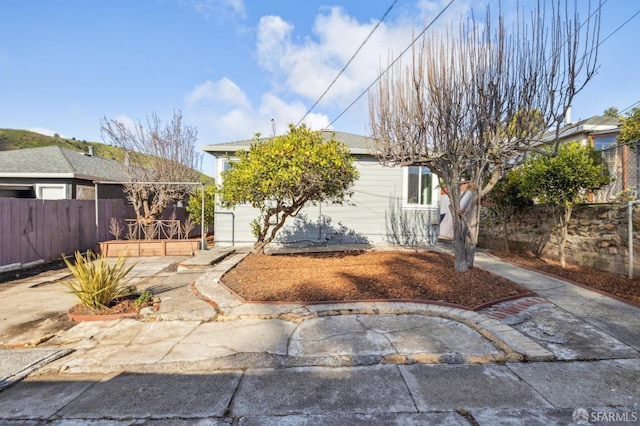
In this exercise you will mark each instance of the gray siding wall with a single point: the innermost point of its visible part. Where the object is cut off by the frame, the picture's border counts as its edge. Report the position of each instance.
(374, 215)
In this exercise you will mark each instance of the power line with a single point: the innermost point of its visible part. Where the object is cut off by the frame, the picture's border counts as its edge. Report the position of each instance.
(629, 107)
(348, 62)
(619, 27)
(607, 38)
(437, 17)
(392, 63)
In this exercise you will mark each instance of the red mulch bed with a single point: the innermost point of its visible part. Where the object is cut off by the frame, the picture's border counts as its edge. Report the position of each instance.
(376, 275)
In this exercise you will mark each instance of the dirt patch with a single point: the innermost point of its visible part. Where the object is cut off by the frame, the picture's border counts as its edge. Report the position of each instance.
(377, 275)
(126, 305)
(608, 282)
(48, 322)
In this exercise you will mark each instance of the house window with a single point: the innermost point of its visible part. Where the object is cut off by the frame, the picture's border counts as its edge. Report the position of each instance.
(419, 183)
(604, 142)
(85, 192)
(51, 191)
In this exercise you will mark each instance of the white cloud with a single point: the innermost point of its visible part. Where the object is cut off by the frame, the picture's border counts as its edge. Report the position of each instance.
(45, 131)
(274, 36)
(223, 109)
(300, 68)
(284, 113)
(306, 66)
(219, 8)
(224, 92)
(126, 120)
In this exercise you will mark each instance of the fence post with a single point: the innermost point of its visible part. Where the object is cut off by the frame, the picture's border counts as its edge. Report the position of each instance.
(97, 213)
(630, 234)
(203, 237)
(637, 168)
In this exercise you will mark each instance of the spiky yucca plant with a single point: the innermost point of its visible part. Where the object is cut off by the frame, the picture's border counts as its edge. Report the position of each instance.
(97, 283)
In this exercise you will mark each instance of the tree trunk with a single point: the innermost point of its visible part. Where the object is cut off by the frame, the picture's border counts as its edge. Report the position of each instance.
(472, 214)
(258, 248)
(470, 254)
(461, 263)
(263, 239)
(564, 233)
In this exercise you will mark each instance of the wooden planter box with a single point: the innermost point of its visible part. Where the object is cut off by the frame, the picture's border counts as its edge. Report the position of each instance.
(141, 248)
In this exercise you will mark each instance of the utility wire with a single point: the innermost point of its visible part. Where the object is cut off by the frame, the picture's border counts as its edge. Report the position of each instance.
(437, 17)
(392, 63)
(612, 32)
(601, 42)
(629, 107)
(619, 27)
(348, 62)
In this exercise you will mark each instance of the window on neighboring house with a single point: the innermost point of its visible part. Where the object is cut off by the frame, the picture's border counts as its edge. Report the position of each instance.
(603, 142)
(51, 191)
(419, 191)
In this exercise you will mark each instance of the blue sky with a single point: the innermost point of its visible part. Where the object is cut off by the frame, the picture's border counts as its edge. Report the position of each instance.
(233, 65)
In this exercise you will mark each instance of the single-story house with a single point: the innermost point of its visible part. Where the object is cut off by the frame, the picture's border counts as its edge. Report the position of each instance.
(602, 133)
(53, 173)
(396, 205)
(598, 131)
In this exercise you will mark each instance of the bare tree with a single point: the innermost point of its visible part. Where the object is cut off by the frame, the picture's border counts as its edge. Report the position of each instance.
(473, 101)
(159, 159)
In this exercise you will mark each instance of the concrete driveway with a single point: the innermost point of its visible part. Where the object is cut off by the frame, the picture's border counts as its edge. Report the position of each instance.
(566, 356)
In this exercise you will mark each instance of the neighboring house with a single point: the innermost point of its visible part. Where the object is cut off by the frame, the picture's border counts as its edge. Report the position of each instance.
(602, 133)
(53, 173)
(597, 131)
(397, 205)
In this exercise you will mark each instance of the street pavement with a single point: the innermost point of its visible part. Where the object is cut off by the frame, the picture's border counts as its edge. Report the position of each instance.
(566, 356)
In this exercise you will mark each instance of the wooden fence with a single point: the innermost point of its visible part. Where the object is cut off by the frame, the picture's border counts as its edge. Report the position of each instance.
(33, 230)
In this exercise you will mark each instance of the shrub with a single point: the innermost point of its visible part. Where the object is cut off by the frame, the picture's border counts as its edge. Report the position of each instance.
(97, 284)
(143, 298)
(194, 207)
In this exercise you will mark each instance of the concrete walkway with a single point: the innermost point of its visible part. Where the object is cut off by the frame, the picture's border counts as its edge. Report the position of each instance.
(373, 363)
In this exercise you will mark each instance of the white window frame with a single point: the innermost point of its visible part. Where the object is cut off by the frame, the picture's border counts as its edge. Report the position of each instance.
(435, 192)
(41, 186)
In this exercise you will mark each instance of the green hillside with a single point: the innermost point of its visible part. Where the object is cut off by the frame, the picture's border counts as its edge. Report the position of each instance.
(19, 139)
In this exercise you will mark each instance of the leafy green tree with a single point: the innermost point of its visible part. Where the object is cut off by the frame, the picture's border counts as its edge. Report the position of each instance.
(505, 199)
(630, 131)
(563, 181)
(194, 207)
(282, 175)
(611, 112)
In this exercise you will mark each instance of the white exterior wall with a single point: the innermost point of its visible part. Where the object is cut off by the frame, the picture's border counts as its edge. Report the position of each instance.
(375, 214)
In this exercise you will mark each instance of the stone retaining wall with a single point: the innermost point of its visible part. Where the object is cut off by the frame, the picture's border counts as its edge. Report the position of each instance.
(597, 235)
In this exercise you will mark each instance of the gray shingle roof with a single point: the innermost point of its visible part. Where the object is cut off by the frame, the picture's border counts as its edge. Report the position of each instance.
(59, 161)
(357, 144)
(593, 124)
